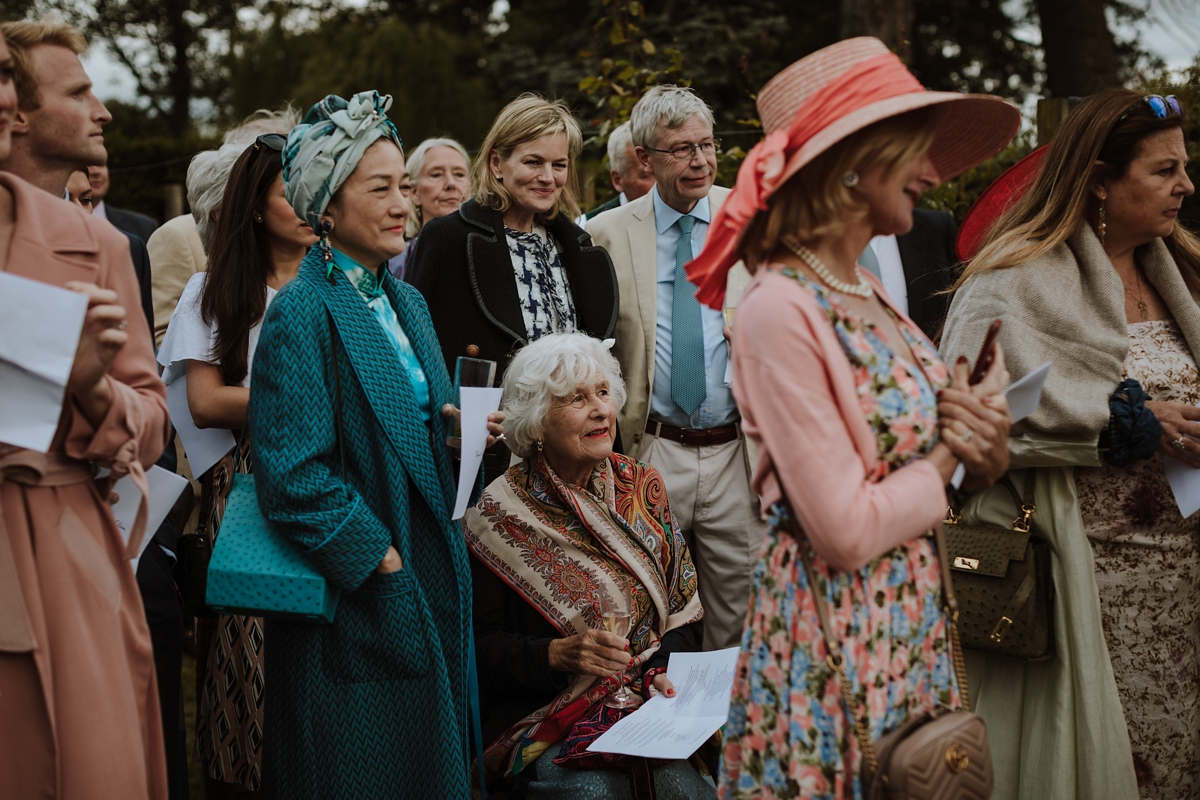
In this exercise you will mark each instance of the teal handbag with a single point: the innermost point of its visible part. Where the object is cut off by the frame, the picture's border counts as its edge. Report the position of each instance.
(257, 571)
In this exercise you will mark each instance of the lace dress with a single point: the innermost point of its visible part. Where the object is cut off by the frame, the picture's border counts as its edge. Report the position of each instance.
(1148, 575)
(788, 734)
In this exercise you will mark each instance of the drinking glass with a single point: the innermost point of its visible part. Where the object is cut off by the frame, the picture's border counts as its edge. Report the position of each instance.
(728, 312)
(616, 613)
(469, 372)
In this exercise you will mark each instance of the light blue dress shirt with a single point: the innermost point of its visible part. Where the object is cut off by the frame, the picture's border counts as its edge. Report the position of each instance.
(718, 407)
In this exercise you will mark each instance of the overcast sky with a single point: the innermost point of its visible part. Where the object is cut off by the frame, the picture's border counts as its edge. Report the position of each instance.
(1173, 31)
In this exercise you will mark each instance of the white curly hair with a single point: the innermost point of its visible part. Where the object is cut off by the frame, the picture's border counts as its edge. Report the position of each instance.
(553, 368)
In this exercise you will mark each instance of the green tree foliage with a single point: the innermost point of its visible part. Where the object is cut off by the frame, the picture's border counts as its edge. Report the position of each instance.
(437, 84)
(172, 47)
(972, 46)
(144, 155)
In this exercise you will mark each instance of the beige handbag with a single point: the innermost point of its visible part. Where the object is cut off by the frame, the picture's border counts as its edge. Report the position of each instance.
(942, 755)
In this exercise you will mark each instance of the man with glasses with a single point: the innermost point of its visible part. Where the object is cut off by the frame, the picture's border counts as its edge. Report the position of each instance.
(680, 416)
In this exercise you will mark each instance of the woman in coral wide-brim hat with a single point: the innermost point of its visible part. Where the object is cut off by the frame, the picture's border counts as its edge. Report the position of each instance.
(840, 392)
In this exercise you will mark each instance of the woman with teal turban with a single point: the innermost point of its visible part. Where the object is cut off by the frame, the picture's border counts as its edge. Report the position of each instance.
(350, 465)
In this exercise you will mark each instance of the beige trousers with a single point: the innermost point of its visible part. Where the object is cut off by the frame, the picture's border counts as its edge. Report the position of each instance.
(709, 491)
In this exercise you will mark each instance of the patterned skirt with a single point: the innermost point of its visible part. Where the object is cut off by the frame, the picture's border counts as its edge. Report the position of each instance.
(230, 675)
(788, 733)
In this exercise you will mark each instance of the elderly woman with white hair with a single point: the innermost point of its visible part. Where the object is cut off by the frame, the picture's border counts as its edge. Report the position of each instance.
(604, 522)
(178, 249)
(440, 172)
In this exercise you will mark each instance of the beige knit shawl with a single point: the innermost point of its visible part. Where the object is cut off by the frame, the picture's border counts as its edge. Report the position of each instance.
(1066, 307)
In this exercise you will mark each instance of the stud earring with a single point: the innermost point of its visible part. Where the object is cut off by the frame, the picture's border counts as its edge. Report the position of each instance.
(257, 218)
(1102, 228)
(850, 179)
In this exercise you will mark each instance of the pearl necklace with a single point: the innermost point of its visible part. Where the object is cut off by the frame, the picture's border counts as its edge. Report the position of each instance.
(861, 289)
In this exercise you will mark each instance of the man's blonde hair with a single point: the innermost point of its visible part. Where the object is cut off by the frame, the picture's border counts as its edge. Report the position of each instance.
(527, 118)
(816, 203)
(24, 36)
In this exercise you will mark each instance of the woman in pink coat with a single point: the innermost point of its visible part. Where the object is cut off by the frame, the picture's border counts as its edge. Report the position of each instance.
(78, 703)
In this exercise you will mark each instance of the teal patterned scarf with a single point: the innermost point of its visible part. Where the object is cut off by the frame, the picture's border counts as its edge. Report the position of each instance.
(370, 290)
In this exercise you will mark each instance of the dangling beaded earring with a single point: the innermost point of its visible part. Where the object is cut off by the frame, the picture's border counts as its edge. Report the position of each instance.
(1103, 226)
(538, 445)
(850, 179)
(326, 249)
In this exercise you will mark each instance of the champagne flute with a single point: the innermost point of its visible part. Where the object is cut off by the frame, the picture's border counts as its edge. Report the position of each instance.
(616, 614)
(469, 372)
(728, 312)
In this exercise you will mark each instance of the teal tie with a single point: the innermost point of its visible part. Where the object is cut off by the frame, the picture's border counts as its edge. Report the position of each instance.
(870, 262)
(687, 330)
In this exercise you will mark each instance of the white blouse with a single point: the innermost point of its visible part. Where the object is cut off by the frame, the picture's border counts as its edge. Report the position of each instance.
(190, 338)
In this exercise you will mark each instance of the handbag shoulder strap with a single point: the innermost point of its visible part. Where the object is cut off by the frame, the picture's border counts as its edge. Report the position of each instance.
(837, 659)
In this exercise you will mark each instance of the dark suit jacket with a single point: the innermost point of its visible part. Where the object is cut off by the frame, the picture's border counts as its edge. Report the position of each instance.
(930, 266)
(464, 270)
(139, 225)
(141, 266)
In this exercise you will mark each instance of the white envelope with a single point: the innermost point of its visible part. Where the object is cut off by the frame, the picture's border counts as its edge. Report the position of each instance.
(39, 332)
(1023, 399)
(165, 487)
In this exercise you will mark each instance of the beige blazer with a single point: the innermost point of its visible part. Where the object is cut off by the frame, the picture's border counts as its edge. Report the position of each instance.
(175, 256)
(629, 236)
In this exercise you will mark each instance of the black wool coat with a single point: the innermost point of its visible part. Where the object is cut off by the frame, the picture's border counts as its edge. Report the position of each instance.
(464, 270)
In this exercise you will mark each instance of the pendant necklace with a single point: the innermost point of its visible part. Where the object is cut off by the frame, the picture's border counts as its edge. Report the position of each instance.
(861, 289)
(1141, 304)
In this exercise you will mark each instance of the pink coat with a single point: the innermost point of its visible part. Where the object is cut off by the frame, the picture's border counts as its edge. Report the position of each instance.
(796, 393)
(79, 714)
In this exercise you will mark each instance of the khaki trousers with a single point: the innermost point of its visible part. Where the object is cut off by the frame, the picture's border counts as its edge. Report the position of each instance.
(709, 491)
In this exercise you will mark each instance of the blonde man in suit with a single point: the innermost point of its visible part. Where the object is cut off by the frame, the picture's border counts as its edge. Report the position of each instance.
(680, 416)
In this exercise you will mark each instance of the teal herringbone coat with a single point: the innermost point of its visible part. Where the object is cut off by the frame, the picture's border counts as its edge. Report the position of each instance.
(375, 704)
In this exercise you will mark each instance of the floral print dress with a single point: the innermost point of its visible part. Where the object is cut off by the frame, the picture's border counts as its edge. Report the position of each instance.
(788, 733)
(1147, 561)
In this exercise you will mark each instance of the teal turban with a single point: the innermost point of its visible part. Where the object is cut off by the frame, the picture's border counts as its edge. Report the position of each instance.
(323, 150)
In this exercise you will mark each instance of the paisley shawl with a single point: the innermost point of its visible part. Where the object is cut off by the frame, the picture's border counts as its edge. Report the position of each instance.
(560, 548)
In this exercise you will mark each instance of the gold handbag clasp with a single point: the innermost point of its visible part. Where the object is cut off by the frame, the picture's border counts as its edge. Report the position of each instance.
(1021, 523)
(1001, 628)
(952, 516)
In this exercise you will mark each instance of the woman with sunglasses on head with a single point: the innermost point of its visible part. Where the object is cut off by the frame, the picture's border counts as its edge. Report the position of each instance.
(208, 354)
(1091, 271)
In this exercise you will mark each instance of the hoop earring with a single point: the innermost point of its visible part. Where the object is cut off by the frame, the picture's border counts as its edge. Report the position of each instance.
(850, 179)
(1102, 228)
(327, 249)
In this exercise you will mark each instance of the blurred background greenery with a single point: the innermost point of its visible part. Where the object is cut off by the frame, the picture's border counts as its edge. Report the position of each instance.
(202, 65)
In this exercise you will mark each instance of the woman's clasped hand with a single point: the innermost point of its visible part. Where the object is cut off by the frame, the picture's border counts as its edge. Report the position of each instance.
(974, 422)
(1181, 429)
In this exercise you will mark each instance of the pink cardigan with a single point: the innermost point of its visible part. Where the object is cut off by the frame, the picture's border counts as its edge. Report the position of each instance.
(799, 405)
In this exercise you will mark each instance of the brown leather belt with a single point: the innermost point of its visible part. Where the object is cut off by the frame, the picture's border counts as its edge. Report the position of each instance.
(693, 437)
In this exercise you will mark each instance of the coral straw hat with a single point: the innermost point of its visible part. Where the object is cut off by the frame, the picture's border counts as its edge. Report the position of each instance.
(820, 100)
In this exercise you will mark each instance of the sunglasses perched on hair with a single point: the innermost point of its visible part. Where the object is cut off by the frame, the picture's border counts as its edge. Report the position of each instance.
(275, 141)
(1161, 107)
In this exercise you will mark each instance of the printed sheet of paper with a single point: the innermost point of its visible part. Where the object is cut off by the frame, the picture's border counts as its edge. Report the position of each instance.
(676, 727)
(1185, 484)
(39, 331)
(165, 487)
(477, 403)
(203, 447)
(1023, 399)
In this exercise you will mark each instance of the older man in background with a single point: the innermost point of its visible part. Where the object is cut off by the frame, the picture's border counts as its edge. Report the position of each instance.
(629, 178)
(178, 249)
(680, 416)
